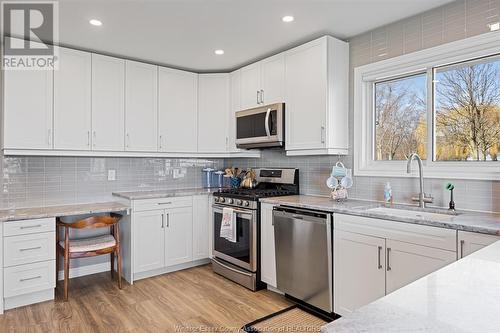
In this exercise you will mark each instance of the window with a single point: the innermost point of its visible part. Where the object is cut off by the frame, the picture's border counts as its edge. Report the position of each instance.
(467, 111)
(400, 118)
(442, 103)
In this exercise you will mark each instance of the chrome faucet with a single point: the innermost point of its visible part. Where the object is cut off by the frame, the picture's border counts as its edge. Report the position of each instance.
(422, 199)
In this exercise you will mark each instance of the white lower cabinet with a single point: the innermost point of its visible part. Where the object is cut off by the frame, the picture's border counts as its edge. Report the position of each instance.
(374, 257)
(169, 234)
(408, 262)
(178, 236)
(267, 250)
(28, 266)
(359, 270)
(470, 242)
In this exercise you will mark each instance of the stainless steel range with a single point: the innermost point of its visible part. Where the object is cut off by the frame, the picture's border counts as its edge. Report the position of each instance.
(239, 260)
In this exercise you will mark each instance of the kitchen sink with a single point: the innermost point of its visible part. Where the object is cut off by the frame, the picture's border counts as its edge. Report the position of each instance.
(444, 216)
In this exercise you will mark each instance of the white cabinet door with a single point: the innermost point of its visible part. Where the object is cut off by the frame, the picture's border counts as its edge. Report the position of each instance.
(200, 227)
(149, 240)
(250, 86)
(273, 79)
(235, 106)
(28, 106)
(178, 236)
(141, 106)
(72, 100)
(407, 262)
(306, 96)
(267, 249)
(178, 110)
(213, 102)
(470, 242)
(108, 103)
(359, 270)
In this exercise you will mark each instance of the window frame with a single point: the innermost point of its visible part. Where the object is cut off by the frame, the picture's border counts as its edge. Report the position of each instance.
(425, 61)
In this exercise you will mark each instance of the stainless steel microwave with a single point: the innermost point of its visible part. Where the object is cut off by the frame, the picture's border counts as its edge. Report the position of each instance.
(260, 127)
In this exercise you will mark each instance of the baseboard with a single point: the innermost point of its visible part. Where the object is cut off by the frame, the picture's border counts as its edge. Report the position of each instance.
(164, 270)
(85, 270)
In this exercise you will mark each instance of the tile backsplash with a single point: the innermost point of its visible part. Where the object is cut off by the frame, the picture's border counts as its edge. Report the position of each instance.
(41, 181)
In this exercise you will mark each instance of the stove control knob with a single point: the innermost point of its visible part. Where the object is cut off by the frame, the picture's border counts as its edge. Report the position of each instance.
(239, 202)
(246, 203)
(222, 200)
(230, 200)
(216, 199)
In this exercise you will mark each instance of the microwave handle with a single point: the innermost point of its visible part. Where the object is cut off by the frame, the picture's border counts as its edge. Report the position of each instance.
(268, 132)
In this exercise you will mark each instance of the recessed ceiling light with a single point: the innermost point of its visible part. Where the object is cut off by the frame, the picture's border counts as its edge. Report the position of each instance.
(219, 52)
(287, 18)
(95, 22)
(494, 26)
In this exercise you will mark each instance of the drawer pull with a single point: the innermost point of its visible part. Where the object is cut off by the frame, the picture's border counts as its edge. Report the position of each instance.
(30, 248)
(30, 278)
(165, 203)
(30, 226)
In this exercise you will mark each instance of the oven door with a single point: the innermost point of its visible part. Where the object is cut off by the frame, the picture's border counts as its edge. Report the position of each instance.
(260, 127)
(243, 252)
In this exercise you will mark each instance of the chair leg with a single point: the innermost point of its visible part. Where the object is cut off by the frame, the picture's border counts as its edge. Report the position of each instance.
(57, 266)
(112, 255)
(66, 274)
(119, 254)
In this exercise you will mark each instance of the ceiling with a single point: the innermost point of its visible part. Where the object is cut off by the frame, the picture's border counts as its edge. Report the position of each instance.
(185, 33)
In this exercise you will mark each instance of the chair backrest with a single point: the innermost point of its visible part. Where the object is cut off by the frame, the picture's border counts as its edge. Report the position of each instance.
(92, 222)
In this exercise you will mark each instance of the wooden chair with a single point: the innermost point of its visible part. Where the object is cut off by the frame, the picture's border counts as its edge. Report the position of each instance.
(89, 247)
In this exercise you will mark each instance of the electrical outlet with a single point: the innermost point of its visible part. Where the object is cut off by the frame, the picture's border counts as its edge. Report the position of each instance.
(111, 175)
(179, 173)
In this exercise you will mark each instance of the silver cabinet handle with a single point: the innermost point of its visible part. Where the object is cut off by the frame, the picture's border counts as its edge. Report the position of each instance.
(88, 138)
(388, 255)
(49, 134)
(161, 137)
(128, 140)
(262, 96)
(31, 278)
(162, 221)
(268, 132)
(164, 203)
(93, 138)
(258, 99)
(168, 220)
(462, 243)
(380, 257)
(322, 134)
(30, 248)
(30, 226)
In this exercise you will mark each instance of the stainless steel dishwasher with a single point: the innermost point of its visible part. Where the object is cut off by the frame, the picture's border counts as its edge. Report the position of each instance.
(303, 241)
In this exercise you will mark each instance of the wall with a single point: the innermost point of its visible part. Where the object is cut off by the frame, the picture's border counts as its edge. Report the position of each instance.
(457, 20)
(41, 181)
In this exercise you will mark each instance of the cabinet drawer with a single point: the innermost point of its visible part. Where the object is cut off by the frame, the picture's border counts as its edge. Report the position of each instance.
(26, 249)
(165, 203)
(24, 227)
(25, 279)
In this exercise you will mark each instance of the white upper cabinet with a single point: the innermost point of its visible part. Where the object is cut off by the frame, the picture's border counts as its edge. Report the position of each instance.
(72, 100)
(263, 82)
(28, 105)
(250, 86)
(108, 103)
(213, 111)
(178, 108)
(235, 106)
(141, 106)
(273, 79)
(316, 95)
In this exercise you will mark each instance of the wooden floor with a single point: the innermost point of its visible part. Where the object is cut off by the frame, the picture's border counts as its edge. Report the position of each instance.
(183, 301)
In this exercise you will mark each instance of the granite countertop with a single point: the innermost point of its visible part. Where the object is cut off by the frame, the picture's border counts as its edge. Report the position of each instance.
(153, 194)
(62, 210)
(461, 297)
(487, 223)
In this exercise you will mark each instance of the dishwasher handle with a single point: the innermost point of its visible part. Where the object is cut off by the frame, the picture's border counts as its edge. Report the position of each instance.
(300, 214)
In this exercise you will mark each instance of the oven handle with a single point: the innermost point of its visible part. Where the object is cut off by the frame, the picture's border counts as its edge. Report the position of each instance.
(246, 212)
(268, 132)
